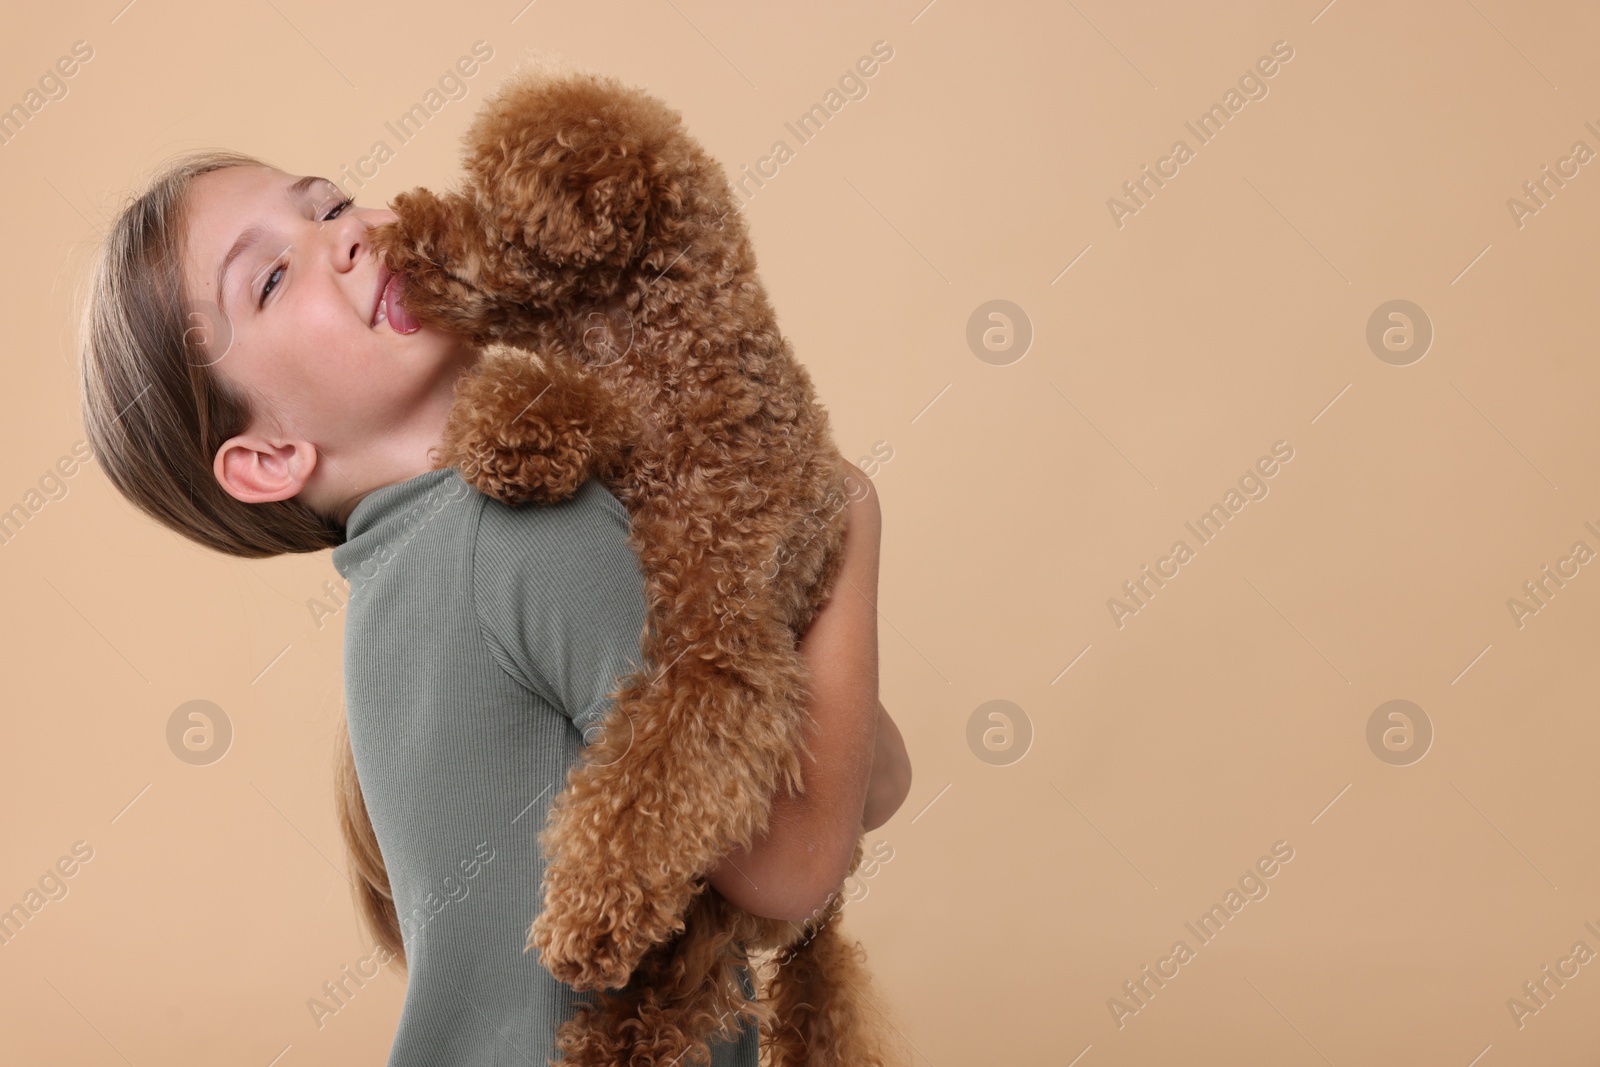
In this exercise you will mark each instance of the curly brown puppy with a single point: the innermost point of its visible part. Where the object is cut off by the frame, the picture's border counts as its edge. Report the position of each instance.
(596, 252)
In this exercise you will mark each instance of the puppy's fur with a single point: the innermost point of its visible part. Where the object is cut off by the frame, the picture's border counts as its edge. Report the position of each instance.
(596, 253)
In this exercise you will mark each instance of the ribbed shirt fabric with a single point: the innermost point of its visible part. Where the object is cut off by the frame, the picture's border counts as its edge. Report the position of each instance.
(481, 640)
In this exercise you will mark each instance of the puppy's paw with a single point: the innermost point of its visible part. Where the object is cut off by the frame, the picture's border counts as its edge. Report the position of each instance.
(522, 434)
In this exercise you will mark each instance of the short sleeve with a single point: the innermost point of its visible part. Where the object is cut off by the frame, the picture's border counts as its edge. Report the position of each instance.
(560, 598)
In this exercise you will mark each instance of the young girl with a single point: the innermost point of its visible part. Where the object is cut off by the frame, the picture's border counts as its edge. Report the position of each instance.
(250, 382)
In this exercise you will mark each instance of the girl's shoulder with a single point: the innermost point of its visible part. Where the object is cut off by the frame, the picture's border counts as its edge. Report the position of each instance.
(570, 525)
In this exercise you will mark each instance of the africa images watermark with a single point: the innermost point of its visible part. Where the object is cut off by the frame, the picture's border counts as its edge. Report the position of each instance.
(451, 85)
(51, 886)
(854, 889)
(52, 87)
(450, 490)
(1252, 85)
(1539, 191)
(1539, 591)
(1538, 992)
(52, 487)
(1252, 486)
(323, 610)
(811, 122)
(338, 993)
(1252, 888)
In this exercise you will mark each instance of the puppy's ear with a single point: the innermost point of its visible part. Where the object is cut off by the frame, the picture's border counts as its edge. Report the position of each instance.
(577, 167)
(597, 207)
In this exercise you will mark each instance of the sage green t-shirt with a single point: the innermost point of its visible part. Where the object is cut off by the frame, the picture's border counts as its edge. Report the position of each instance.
(481, 641)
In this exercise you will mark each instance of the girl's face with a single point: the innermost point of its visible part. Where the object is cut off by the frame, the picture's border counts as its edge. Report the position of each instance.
(344, 402)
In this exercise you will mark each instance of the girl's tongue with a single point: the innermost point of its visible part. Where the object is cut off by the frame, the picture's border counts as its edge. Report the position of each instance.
(400, 320)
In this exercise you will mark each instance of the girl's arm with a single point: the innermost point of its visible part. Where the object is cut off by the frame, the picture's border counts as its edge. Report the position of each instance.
(790, 872)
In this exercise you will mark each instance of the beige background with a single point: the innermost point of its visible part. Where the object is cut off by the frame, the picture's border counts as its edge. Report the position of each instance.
(1230, 713)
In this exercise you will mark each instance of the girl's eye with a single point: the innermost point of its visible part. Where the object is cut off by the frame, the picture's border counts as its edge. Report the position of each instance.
(272, 277)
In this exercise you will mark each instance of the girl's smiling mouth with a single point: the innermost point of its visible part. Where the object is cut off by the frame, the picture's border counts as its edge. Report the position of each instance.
(387, 306)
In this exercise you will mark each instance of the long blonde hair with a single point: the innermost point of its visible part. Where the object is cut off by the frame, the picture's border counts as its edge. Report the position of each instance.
(155, 415)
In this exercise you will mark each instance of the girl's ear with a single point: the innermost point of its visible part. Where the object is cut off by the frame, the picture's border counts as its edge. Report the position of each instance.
(256, 470)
